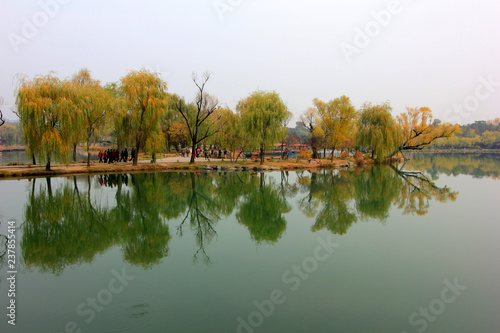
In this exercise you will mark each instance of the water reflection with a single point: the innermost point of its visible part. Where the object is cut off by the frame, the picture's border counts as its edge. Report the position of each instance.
(477, 165)
(262, 209)
(68, 223)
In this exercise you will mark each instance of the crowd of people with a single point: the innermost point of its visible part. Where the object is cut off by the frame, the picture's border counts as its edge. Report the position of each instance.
(115, 155)
(207, 153)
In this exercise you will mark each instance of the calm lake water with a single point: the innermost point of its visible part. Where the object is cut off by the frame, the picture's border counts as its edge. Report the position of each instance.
(7, 157)
(378, 249)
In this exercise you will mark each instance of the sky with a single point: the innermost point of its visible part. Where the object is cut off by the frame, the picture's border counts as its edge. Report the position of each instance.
(442, 54)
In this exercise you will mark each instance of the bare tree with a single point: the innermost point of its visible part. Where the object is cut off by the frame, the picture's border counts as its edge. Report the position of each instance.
(310, 120)
(2, 121)
(198, 126)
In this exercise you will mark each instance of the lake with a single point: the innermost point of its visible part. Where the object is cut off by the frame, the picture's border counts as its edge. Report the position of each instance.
(21, 156)
(410, 248)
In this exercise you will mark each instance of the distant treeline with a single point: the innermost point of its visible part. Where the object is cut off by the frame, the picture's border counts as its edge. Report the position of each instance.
(10, 134)
(479, 135)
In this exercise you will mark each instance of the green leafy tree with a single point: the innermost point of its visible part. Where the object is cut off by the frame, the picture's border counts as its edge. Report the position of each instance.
(145, 100)
(173, 126)
(230, 135)
(378, 130)
(262, 115)
(120, 116)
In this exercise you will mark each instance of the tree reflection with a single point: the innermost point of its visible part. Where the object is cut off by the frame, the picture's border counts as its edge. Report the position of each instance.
(418, 190)
(62, 229)
(67, 224)
(145, 233)
(376, 187)
(328, 198)
(202, 212)
(339, 199)
(262, 210)
(477, 165)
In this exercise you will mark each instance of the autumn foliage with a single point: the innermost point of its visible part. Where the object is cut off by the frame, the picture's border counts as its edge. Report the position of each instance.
(419, 131)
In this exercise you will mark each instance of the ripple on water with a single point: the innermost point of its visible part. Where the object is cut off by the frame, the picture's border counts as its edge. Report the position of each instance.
(128, 315)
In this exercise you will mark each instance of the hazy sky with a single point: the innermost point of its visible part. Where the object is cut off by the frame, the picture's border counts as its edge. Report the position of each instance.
(444, 54)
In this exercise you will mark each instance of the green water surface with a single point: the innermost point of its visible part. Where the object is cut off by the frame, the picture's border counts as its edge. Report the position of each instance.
(409, 248)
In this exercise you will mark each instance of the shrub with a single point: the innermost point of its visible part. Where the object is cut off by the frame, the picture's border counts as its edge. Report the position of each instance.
(305, 153)
(359, 158)
(344, 154)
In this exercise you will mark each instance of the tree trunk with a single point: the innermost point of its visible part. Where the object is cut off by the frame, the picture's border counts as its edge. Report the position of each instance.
(241, 151)
(193, 153)
(74, 152)
(261, 153)
(315, 152)
(88, 153)
(47, 166)
(34, 161)
(136, 156)
(333, 149)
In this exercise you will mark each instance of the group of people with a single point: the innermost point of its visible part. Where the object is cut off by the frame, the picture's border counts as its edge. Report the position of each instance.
(115, 155)
(207, 153)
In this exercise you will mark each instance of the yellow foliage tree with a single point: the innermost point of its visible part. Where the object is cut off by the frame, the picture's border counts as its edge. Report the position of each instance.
(338, 120)
(145, 100)
(419, 130)
(44, 106)
(92, 104)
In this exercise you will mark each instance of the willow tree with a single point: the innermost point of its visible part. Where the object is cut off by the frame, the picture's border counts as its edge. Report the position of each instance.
(230, 135)
(262, 115)
(378, 130)
(145, 100)
(173, 126)
(44, 106)
(119, 115)
(201, 122)
(92, 102)
(338, 118)
(420, 131)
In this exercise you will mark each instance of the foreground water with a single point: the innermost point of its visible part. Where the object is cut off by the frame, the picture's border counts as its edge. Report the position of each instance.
(378, 249)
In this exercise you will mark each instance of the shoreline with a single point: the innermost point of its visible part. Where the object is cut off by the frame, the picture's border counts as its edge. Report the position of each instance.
(38, 171)
(462, 151)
